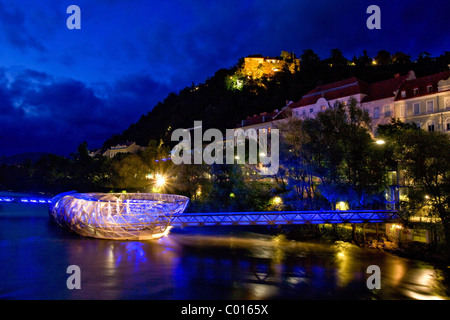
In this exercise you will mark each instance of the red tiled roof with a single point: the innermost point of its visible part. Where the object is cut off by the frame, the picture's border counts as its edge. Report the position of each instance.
(384, 89)
(258, 118)
(335, 90)
(421, 84)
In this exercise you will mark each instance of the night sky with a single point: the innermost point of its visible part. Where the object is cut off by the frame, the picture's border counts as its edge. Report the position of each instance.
(59, 87)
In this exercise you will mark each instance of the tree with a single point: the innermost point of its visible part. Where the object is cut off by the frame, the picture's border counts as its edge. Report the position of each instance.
(336, 150)
(129, 172)
(337, 58)
(364, 60)
(296, 166)
(425, 157)
(424, 57)
(350, 167)
(401, 58)
(383, 57)
(309, 59)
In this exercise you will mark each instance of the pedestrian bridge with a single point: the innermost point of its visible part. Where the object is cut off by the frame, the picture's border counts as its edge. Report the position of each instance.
(259, 218)
(282, 217)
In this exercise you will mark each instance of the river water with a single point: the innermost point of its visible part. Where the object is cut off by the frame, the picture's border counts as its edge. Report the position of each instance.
(197, 263)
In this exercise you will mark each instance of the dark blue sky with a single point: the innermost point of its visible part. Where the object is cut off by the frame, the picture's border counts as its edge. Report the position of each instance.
(59, 87)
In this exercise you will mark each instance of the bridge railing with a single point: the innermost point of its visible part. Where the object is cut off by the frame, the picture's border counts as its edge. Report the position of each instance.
(283, 217)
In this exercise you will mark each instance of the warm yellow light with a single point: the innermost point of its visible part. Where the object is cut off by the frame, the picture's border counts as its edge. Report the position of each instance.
(342, 206)
(160, 181)
(277, 200)
(380, 142)
(374, 62)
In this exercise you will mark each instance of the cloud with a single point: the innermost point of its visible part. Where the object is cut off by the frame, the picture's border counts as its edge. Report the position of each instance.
(41, 113)
(91, 83)
(13, 25)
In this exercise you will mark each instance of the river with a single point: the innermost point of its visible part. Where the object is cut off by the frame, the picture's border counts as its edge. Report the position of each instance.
(197, 263)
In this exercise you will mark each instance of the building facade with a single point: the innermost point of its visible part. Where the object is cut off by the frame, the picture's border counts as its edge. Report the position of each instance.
(381, 96)
(325, 96)
(425, 101)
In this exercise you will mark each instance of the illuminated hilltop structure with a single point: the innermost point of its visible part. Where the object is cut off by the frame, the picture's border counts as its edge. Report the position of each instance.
(257, 66)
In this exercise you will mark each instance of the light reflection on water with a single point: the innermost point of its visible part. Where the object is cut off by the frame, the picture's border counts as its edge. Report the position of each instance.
(35, 254)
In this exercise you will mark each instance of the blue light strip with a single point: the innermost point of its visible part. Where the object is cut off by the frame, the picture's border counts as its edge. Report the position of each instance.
(25, 199)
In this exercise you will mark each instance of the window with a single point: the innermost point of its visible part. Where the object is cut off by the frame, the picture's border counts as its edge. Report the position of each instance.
(430, 126)
(311, 110)
(387, 110)
(429, 88)
(419, 125)
(447, 127)
(416, 91)
(403, 111)
(403, 93)
(376, 113)
(447, 103)
(323, 107)
(430, 106)
(416, 107)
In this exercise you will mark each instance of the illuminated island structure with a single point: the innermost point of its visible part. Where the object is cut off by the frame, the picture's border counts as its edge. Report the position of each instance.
(117, 216)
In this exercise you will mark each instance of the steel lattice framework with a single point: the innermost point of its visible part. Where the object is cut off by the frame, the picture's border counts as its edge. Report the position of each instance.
(283, 217)
(118, 216)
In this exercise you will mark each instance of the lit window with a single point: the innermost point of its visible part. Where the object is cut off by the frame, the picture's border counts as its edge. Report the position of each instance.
(416, 107)
(430, 106)
(323, 107)
(403, 93)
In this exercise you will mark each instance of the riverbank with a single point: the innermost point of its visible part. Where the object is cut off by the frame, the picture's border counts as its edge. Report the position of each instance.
(433, 253)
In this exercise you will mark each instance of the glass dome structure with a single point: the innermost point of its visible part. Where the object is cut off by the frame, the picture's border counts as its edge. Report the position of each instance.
(118, 216)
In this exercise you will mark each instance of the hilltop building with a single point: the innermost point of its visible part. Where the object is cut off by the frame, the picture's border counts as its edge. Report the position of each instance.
(258, 66)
